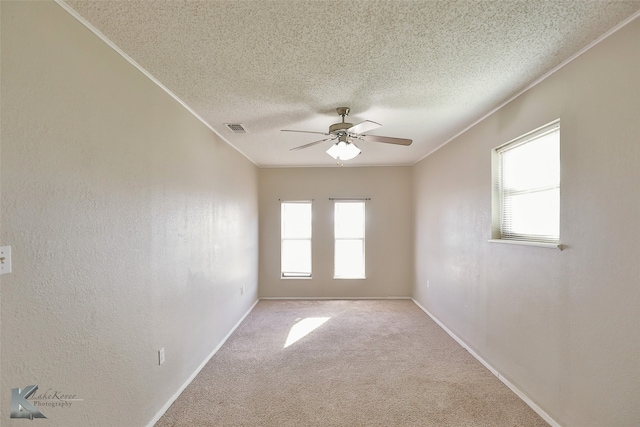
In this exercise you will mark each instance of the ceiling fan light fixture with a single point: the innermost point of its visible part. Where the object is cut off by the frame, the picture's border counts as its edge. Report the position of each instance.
(342, 150)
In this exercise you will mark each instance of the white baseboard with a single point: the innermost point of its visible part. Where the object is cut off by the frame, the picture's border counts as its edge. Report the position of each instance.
(526, 399)
(197, 371)
(332, 298)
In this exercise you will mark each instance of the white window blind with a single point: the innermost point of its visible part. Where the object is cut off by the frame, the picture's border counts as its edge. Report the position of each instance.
(529, 187)
(349, 240)
(296, 239)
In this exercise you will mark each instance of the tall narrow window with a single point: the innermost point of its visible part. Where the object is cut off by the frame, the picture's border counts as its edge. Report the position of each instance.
(528, 186)
(349, 240)
(296, 239)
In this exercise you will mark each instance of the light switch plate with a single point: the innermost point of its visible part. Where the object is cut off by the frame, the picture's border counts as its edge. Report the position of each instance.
(161, 356)
(5, 259)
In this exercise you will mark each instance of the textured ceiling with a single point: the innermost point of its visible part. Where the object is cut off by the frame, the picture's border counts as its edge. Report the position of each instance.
(425, 70)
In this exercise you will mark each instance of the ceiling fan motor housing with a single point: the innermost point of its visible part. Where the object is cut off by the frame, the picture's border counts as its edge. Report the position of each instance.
(339, 128)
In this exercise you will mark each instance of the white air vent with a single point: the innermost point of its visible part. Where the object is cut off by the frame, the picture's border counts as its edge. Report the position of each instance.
(236, 127)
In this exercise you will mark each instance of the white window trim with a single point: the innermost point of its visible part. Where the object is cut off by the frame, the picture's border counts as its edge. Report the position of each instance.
(496, 211)
(527, 243)
(364, 243)
(310, 239)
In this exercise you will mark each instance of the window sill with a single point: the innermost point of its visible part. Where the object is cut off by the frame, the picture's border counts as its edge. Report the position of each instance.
(526, 243)
(296, 277)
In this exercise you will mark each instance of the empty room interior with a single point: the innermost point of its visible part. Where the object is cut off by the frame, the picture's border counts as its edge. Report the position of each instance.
(376, 187)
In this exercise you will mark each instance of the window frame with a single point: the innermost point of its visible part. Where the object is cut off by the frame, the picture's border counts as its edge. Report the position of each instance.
(287, 275)
(497, 233)
(362, 239)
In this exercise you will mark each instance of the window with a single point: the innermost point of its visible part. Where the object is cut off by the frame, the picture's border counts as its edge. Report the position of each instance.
(295, 239)
(527, 187)
(349, 240)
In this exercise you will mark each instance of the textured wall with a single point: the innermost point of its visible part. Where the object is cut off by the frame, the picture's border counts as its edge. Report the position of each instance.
(133, 227)
(388, 241)
(562, 326)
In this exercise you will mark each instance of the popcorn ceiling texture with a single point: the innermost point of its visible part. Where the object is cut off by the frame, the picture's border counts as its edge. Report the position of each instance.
(423, 69)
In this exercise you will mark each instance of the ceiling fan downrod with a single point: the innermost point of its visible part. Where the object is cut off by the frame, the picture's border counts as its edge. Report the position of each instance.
(343, 111)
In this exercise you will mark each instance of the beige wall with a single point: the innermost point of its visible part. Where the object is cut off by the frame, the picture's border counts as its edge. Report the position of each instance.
(133, 227)
(389, 262)
(560, 325)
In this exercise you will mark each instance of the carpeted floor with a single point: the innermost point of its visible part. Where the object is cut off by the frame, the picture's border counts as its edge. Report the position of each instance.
(361, 363)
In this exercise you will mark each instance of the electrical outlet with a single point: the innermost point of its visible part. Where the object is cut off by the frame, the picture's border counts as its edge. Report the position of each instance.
(242, 290)
(428, 285)
(161, 356)
(5, 259)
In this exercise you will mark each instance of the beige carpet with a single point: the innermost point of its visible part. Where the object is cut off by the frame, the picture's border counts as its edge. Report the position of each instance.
(361, 363)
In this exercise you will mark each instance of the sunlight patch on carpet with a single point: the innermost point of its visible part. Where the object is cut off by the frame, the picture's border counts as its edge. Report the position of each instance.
(303, 328)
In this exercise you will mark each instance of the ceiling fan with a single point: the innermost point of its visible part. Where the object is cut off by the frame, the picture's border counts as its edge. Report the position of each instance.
(345, 135)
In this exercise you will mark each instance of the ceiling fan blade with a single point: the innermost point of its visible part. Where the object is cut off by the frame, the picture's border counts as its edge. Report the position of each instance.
(311, 144)
(387, 139)
(304, 131)
(365, 126)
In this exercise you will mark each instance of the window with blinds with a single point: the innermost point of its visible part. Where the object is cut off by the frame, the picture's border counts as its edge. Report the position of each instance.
(349, 240)
(528, 186)
(295, 233)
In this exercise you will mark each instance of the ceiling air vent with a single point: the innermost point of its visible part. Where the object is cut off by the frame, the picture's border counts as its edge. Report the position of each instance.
(236, 127)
